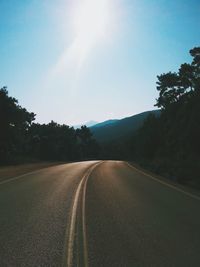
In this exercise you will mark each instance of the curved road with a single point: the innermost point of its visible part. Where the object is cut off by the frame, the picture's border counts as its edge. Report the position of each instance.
(97, 214)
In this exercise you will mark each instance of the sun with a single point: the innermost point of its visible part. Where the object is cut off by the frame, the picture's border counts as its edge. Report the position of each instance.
(90, 22)
(91, 18)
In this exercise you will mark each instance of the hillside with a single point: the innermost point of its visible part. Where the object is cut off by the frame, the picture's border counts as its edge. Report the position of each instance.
(104, 123)
(115, 129)
(88, 124)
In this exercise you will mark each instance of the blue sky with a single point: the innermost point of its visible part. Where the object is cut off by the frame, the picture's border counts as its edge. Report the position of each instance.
(78, 60)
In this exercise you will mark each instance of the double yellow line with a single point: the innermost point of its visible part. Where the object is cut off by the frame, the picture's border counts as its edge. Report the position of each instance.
(81, 190)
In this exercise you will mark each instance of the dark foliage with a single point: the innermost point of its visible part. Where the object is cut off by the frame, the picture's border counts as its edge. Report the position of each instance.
(166, 141)
(170, 144)
(21, 139)
(14, 124)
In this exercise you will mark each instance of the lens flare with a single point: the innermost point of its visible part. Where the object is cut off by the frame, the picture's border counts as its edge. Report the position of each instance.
(87, 24)
(91, 23)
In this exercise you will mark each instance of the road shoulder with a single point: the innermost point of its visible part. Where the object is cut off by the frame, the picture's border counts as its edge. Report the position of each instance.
(11, 171)
(170, 183)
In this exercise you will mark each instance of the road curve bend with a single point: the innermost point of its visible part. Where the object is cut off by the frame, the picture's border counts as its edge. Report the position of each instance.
(35, 213)
(97, 214)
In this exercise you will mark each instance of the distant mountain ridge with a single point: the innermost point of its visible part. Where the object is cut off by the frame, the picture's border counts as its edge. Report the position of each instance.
(112, 130)
(88, 124)
(104, 123)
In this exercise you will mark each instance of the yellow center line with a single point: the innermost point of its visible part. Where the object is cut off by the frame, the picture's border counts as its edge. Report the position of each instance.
(72, 225)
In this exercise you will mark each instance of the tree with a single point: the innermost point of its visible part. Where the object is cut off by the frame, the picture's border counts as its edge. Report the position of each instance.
(53, 141)
(20, 138)
(173, 87)
(170, 143)
(14, 123)
(88, 146)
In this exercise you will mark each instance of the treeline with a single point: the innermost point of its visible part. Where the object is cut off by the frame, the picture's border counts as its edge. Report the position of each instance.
(23, 140)
(170, 144)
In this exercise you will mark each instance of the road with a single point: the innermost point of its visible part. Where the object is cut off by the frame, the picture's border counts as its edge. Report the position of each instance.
(97, 214)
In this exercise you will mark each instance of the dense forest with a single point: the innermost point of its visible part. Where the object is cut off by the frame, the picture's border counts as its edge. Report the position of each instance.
(168, 144)
(23, 140)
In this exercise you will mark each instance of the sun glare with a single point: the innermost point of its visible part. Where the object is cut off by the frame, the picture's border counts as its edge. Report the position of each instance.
(90, 22)
(91, 18)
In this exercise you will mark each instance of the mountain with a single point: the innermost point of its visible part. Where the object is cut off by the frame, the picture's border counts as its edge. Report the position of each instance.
(88, 124)
(104, 123)
(113, 130)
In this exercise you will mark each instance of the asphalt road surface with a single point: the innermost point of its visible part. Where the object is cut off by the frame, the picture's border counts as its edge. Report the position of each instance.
(97, 214)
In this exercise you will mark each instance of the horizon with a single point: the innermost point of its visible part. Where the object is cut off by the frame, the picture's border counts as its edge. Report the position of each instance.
(92, 60)
(93, 122)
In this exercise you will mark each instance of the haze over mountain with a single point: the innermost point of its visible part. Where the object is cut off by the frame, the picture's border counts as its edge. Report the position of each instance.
(88, 124)
(104, 123)
(112, 130)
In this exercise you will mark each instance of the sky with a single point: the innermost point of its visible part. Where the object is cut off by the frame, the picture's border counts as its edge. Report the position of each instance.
(73, 61)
